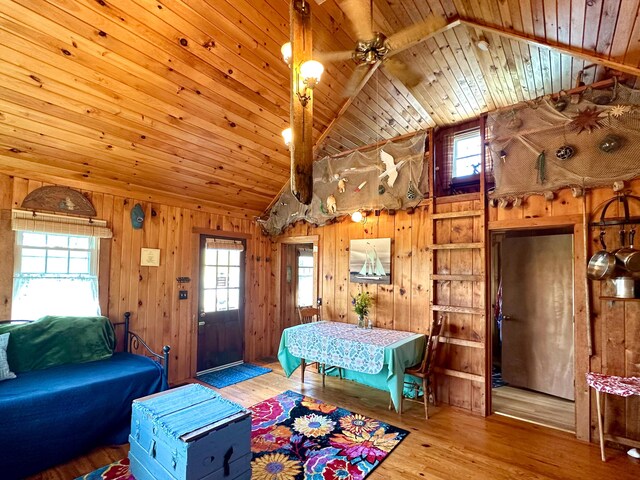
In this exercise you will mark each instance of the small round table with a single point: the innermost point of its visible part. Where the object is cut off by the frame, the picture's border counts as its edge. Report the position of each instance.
(614, 385)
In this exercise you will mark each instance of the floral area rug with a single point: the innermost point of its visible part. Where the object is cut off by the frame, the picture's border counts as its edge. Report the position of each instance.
(294, 437)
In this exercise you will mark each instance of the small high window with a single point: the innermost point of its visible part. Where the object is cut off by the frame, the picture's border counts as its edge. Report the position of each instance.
(466, 153)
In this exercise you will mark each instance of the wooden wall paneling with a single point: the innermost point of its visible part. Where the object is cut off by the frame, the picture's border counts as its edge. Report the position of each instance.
(632, 364)
(402, 252)
(386, 293)
(420, 268)
(328, 246)
(342, 308)
(613, 357)
(7, 245)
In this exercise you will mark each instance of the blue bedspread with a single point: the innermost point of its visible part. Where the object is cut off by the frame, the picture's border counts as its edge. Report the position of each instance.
(50, 416)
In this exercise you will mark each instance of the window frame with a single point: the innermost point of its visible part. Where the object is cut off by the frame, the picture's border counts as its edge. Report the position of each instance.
(461, 136)
(94, 261)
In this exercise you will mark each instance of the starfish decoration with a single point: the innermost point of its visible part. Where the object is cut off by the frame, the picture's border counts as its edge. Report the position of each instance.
(587, 119)
(619, 110)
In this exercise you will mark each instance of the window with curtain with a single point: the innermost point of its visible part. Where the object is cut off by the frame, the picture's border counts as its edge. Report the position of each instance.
(55, 274)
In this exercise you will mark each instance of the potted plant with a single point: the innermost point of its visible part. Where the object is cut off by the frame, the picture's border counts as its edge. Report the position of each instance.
(362, 302)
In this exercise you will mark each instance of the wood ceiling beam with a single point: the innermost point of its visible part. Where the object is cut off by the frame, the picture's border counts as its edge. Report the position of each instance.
(536, 42)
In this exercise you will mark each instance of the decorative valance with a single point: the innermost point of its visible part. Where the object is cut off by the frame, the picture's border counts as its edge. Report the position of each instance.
(224, 244)
(29, 221)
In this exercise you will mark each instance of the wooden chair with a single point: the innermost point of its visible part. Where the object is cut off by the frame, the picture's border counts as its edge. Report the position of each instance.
(424, 369)
(308, 314)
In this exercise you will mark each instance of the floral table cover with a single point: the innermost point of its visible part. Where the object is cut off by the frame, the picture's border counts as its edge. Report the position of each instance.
(621, 386)
(343, 345)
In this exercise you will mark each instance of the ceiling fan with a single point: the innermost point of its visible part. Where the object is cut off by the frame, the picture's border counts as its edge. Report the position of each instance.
(373, 47)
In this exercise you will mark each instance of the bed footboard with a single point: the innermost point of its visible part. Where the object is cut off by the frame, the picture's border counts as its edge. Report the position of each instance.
(133, 343)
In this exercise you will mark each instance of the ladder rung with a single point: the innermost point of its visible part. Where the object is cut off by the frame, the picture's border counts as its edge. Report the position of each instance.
(455, 373)
(468, 213)
(460, 278)
(456, 246)
(454, 309)
(461, 342)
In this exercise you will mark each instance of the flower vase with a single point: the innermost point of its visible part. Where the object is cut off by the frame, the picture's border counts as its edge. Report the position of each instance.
(361, 323)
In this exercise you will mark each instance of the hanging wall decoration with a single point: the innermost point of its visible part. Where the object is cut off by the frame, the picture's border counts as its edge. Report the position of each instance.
(565, 152)
(59, 199)
(578, 161)
(587, 119)
(376, 179)
(610, 143)
(137, 216)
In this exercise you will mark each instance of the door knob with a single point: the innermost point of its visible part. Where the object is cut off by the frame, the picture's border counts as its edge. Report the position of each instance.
(506, 318)
(202, 314)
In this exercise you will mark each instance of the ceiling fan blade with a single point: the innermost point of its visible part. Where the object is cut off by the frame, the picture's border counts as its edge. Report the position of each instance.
(402, 72)
(359, 14)
(329, 57)
(409, 36)
(355, 80)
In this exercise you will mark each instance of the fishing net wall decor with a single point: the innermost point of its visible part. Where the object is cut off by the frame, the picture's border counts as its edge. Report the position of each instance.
(575, 141)
(390, 177)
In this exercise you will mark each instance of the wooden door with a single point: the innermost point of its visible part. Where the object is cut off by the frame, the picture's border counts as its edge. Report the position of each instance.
(221, 303)
(537, 332)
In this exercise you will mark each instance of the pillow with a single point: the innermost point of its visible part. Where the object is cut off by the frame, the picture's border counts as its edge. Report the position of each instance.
(5, 373)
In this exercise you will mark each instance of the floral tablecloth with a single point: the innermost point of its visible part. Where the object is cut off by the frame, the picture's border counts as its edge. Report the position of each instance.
(343, 345)
(621, 386)
(375, 357)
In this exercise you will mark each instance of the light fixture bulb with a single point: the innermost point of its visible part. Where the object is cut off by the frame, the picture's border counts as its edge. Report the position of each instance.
(483, 45)
(356, 216)
(286, 52)
(310, 72)
(287, 135)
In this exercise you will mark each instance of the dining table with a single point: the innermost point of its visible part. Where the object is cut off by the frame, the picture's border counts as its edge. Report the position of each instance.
(376, 357)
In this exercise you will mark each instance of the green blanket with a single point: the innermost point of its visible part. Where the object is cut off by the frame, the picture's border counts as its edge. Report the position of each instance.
(52, 341)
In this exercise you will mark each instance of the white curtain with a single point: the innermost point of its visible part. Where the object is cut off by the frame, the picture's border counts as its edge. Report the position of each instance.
(35, 296)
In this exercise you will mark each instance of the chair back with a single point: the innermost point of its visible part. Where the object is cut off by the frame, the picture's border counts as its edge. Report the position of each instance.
(432, 346)
(308, 314)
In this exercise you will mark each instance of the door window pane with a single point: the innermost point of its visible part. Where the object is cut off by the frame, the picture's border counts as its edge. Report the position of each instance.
(222, 300)
(234, 257)
(210, 256)
(34, 239)
(209, 300)
(234, 298)
(234, 277)
(223, 257)
(223, 277)
(209, 280)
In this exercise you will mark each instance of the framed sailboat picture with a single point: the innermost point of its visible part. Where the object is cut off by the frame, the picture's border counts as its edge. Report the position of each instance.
(370, 261)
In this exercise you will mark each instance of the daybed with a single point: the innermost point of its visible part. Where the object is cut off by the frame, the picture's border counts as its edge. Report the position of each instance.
(51, 415)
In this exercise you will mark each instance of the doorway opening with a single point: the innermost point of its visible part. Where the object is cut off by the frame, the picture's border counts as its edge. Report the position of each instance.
(532, 291)
(220, 303)
(299, 278)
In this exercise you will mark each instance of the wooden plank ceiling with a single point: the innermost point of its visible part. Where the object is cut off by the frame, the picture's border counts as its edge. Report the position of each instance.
(183, 101)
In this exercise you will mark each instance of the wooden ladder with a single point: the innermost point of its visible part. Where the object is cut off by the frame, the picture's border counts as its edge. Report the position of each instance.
(458, 254)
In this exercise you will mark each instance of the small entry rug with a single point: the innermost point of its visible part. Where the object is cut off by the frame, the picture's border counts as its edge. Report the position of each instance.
(295, 437)
(232, 375)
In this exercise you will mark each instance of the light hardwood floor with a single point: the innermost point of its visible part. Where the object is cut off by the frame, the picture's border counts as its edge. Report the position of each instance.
(452, 444)
(535, 407)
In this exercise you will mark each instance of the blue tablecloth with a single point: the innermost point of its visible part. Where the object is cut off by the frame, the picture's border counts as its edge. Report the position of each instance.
(397, 356)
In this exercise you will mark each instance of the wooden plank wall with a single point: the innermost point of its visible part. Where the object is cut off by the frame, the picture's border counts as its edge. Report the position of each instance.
(151, 293)
(404, 304)
(615, 323)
